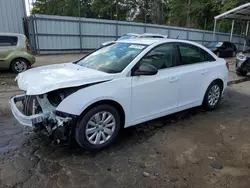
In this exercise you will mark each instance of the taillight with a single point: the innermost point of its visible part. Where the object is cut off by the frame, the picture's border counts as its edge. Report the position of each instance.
(27, 45)
(28, 48)
(227, 64)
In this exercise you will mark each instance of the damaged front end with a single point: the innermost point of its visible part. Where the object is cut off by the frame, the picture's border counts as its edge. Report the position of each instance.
(39, 113)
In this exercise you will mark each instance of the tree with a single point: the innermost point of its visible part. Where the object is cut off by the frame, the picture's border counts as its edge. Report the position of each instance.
(185, 13)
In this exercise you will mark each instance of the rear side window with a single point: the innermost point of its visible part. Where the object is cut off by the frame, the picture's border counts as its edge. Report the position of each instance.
(8, 41)
(207, 56)
(191, 54)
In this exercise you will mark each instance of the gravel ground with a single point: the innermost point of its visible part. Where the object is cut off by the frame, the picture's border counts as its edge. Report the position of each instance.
(194, 148)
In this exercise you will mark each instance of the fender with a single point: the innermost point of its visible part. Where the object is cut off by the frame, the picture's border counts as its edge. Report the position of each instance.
(218, 73)
(118, 90)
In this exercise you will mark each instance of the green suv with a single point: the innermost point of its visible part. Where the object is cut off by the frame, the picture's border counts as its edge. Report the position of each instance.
(15, 52)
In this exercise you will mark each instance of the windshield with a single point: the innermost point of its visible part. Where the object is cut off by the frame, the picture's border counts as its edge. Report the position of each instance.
(214, 44)
(113, 58)
(125, 37)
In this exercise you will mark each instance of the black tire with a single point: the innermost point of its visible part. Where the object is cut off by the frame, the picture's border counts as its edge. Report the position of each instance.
(241, 72)
(25, 65)
(81, 126)
(206, 103)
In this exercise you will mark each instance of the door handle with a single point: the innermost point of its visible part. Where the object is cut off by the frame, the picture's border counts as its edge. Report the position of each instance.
(204, 71)
(173, 79)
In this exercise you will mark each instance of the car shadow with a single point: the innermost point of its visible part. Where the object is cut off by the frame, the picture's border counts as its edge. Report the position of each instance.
(140, 133)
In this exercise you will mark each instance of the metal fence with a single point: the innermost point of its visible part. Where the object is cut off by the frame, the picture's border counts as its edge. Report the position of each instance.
(57, 34)
(12, 13)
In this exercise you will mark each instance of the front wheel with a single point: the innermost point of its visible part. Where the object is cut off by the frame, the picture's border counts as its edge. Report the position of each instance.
(213, 95)
(98, 128)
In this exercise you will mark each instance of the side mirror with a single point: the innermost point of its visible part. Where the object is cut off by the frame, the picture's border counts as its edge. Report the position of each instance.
(145, 69)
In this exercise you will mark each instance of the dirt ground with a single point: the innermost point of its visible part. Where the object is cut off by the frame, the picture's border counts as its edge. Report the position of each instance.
(175, 151)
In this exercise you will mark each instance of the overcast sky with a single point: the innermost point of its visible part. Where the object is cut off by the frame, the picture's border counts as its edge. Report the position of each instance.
(28, 6)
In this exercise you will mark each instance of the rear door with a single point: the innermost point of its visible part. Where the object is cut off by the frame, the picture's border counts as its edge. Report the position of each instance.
(194, 69)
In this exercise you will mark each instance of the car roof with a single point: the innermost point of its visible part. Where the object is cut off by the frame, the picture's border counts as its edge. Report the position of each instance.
(150, 34)
(134, 34)
(150, 41)
(12, 34)
(144, 41)
(145, 34)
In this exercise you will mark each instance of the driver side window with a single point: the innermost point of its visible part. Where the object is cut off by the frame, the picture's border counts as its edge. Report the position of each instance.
(163, 56)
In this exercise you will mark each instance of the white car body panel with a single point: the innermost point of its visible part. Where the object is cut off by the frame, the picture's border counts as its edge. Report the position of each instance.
(152, 95)
(142, 98)
(118, 90)
(48, 78)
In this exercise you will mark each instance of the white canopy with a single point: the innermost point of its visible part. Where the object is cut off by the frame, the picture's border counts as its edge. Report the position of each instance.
(241, 13)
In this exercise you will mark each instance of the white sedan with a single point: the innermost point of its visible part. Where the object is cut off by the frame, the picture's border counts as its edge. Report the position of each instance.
(117, 86)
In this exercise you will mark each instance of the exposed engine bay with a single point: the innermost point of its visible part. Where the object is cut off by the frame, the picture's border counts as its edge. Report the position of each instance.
(40, 112)
(52, 123)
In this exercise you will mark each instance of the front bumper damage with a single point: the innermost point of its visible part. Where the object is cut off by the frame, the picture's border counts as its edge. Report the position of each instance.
(20, 117)
(57, 127)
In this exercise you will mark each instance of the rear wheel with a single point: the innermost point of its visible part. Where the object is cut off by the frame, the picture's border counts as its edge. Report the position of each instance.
(213, 95)
(98, 128)
(19, 65)
(241, 72)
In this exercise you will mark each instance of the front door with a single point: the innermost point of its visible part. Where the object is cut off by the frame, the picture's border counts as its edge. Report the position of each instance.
(155, 95)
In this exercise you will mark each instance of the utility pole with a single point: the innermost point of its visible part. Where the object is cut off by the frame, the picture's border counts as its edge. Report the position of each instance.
(162, 14)
(205, 24)
(79, 9)
(116, 9)
(188, 16)
(111, 10)
(80, 28)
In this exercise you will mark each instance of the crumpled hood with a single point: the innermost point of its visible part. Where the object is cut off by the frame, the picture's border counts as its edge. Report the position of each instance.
(44, 79)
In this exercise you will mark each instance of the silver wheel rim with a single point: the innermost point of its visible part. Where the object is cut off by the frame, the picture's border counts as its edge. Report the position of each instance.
(100, 128)
(214, 95)
(20, 66)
